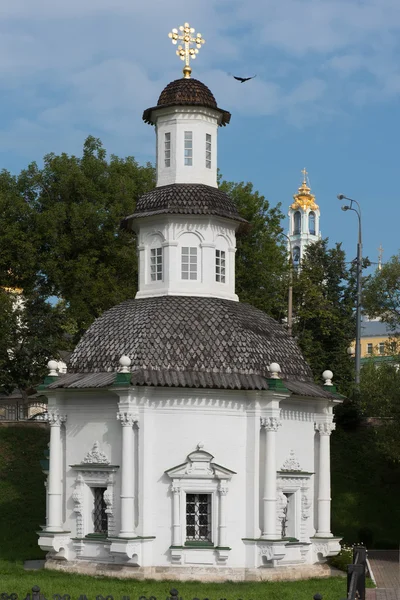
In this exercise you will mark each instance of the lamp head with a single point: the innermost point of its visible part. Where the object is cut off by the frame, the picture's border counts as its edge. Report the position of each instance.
(345, 208)
(340, 197)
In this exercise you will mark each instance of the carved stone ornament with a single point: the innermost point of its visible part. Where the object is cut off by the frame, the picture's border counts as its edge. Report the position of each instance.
(55, 419)
(305, 507)
(223, 489)
(267, 551)
(127, 419)
(325, 428)
(96, 456)
(281, 504)
(78, 498)
(291, 463)
(270, 423)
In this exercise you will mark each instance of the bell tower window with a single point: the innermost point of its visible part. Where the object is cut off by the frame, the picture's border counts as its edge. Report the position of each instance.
(167, 150)
(220, 266)
(189, 263)
(311, 223)
(296, 255)
(188, 148)
(297, 222)
(208, 151)
(156, 266)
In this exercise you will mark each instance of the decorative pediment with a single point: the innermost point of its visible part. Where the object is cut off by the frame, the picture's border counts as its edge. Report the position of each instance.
(96, 456)
(291, 464)
(199, 465)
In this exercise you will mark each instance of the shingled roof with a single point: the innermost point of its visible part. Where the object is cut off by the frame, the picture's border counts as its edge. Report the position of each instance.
(186, 92)
(186, 199)
(189, 341)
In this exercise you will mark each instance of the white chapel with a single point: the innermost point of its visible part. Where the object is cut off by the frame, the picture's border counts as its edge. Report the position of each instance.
(188, 439)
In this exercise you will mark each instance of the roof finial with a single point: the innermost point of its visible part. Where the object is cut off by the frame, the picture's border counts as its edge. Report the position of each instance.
(304, 175)
(185, 52)
(380, 255)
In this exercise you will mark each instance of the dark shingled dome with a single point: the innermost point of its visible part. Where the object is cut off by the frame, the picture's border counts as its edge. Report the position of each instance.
(185, 199)
(190, 341)
(186, 92)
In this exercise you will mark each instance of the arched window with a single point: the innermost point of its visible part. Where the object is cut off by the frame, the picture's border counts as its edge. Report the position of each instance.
(296, 255)
(297, 222)
(311, 223)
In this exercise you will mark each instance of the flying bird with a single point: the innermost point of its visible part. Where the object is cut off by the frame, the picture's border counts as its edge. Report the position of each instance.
(243, 79)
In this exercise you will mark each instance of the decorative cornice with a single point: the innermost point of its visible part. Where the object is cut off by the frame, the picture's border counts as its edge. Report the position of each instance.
(270, 423)
(296, 415)
(96, 456)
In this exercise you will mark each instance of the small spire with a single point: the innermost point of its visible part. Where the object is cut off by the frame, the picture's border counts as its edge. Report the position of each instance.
(380, 256)
(185, 52)
(304, 175)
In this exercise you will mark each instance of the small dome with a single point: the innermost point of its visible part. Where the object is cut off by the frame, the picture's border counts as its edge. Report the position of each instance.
(189, 92)
(186, 92)
(190, 341)
(184, 198)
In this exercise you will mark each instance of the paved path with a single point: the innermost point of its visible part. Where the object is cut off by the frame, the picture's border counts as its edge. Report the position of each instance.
(385, 566)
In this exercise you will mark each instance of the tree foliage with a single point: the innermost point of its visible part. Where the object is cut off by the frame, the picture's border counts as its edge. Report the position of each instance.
(324, 320)
(381, 296)
(261, 258)
(380, 398)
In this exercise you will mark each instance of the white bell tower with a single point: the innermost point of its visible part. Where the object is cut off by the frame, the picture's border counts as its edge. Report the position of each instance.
(304, 218)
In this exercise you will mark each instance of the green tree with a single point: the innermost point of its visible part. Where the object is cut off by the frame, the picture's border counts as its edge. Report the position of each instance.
(380, 397)
(381, 295)
(261, 258)
(85, 258)
(324, 320)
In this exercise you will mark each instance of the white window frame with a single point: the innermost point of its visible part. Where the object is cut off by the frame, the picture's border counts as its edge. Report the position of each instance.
(167, 149)
(381, 348)
(370, 349)
(209, 513)
(156, 260)
(220, 266)
(188, 148)
(208, 150)
(189, 252)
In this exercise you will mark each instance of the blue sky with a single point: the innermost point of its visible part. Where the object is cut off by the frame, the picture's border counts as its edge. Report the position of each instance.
(326, 95)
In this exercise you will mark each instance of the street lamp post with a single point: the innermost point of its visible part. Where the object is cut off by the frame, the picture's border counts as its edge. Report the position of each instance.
(359, 283)
(290, 291)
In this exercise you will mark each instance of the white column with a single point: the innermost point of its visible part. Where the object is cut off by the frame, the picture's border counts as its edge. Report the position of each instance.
(54, 522)
(223, 490)
(176, 521)
(127, 529)
(270, 424)
(324, 480)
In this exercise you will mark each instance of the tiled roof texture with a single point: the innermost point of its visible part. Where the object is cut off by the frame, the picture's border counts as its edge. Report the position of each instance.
(187, 199)
(186, 92)
(189, 340)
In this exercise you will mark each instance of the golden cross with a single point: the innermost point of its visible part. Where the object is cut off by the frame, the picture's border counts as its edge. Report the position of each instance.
(185, 52)
(304, 175)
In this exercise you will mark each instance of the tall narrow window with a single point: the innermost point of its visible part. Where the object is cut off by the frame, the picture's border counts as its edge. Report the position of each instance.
(369, 348)
(311, 223)
(188, 148)
(156, 268)
(296, 255)
(220, 266)
(297, 222)
(99, 511)
(198, 517)
(208, 150)
(189, 263)
(167, 149)
(381, 347)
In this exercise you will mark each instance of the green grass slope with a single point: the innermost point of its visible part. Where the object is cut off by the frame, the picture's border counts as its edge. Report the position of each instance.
(365, 490)
(22, 491)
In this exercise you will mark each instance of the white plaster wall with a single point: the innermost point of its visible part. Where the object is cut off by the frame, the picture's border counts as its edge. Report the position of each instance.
(174, 232)
(176, 121)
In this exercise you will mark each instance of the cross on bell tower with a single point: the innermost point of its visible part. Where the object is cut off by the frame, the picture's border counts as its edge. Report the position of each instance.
(185, 52)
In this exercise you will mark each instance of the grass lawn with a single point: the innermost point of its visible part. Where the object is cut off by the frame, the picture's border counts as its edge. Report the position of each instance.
(13, 579)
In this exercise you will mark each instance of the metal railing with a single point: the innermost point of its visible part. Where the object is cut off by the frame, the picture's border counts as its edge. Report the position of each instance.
(36, 594)
(23, 411)
(356, 573)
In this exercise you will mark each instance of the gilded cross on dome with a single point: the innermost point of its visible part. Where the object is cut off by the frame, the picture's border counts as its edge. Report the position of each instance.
(185, 52)
(304, 199)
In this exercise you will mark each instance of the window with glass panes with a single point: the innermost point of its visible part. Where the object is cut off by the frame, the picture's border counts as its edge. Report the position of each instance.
(99, 511)
(220, 266)
(369, 348)
(198, 518)
(189, 263)
(188, 148)
(208, 150)
(381, 347)
(156, 264)
(167, 149)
